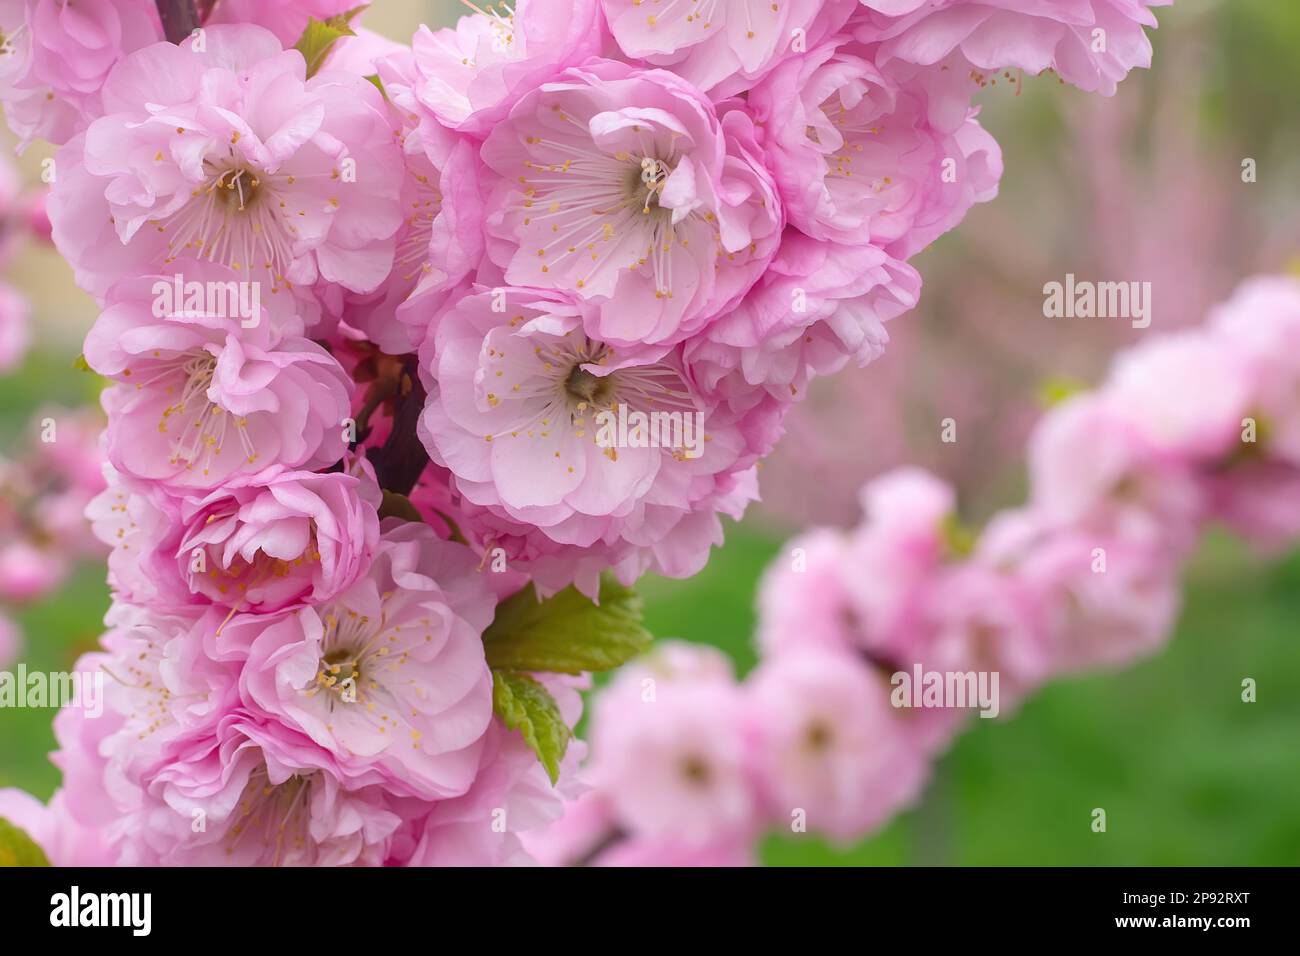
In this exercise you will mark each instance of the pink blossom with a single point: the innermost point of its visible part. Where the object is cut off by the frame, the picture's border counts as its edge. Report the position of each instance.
(37, 220)
(729, 43)
(524, 400)
(201, 399)
(237, 160)
(832, 753)
(1183, 392)
(43, 492)
(586, 825)
(1091, 465)
(984, 621)
(285, 18)
(1259, 500)
(804, 599)
(264, 801)
(679, 661)
(1020, 34)
(1255, 486)
(87, 749)
(32, 112)
(134, 518)
(265, 546)
(57, 56)
(576, 212)
(15, 331)
(440, 240)
(858, 158)
(388, 679)
(66, 441)
(184, 736)
(668, 753)
(874, 596)
(28, 571)
(1107, 598)
(727, 851)
(896, 553)
(159, 684)
(589, 835)
(361, 52)
(1260, 325)
(55, 474)
(819, 306)
(64, 841)
(75, 45)
(511, 799)
(468, 76)
(626, 188)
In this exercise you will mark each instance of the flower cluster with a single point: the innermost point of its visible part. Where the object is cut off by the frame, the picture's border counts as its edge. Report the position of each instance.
(837, 727)
(46, 482)
(393, 332)
(22, 217)
(43, 487)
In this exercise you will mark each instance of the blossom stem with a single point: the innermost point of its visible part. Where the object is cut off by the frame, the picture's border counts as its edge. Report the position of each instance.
(179, 18)
(615, 836)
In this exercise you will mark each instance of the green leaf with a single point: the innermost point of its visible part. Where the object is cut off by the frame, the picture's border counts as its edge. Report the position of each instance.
(398, 506)
(17, 848)
(567, 633)
(525, 705)
(958, 538)
(80, 363)
(1057, 390)
(320, 36)
(454, 529)
(379, 84)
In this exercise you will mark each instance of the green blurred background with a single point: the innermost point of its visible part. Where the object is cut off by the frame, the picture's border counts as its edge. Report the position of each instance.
(1187, 772)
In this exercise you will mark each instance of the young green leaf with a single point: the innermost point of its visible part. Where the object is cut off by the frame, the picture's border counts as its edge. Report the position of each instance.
(957, 537)
(1058, 389)
(17, 848)
(567, 633)
(320, 36)
(525, 705)
(398, 506)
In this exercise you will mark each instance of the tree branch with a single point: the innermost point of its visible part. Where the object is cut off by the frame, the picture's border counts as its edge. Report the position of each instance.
(401, 460)
(180, 18)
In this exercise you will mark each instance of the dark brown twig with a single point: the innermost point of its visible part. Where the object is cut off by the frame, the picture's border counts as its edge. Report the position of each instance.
(180, 18)
(402, 458)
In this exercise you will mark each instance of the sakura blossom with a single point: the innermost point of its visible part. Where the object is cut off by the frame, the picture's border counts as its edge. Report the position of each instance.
(622, 186)
(200, 398)
(230, 155)
(517, 424)
(363, 309)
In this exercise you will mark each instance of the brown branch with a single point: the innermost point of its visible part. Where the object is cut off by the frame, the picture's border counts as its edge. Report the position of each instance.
(613, 838)
(179, 18)
(401, 460)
